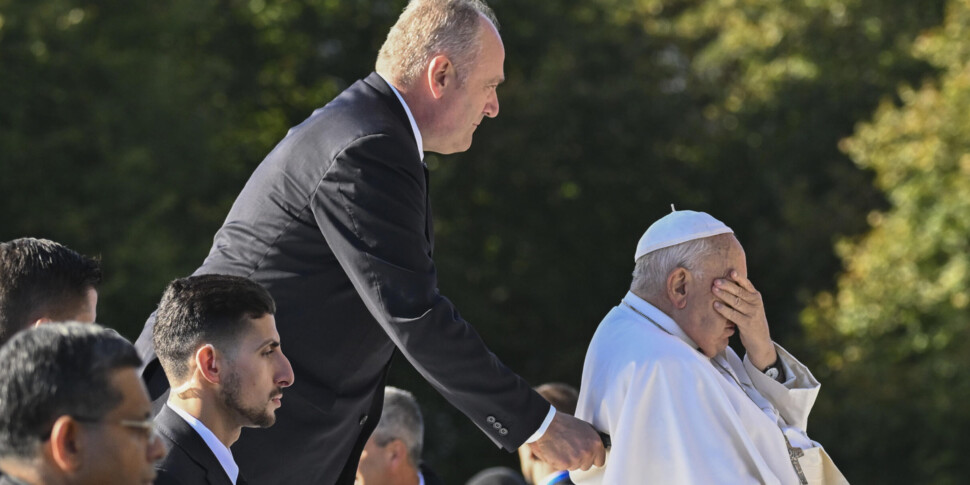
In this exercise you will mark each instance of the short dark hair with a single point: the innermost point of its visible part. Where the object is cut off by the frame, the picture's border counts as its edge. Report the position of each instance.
(202, 309)
(39, 276)
(563, 396)
(55, 370)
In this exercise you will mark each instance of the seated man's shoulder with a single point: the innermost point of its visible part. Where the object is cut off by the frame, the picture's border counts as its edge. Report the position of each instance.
(628, 341)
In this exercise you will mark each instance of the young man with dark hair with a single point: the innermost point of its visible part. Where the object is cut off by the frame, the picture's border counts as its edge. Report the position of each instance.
(73, 409)
(216, 339)
(43, 281)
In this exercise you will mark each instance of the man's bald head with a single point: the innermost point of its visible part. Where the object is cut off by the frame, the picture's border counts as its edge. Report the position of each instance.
(428, 28)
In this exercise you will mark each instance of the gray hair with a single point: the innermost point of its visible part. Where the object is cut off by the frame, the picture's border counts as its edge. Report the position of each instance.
(652, 269)
(428, 28)
(401, 420)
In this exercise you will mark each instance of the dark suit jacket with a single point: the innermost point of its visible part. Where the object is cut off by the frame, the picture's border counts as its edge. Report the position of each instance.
(336, 224)
(189, 460)
(430, 477)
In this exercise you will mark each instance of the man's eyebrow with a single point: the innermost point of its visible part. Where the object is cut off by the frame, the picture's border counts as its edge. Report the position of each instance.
(272, 343)
(496, 80)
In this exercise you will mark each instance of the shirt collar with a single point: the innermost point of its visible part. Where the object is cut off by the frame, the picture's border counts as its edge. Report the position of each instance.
(414, 124)
(660, 318)
(220, 450)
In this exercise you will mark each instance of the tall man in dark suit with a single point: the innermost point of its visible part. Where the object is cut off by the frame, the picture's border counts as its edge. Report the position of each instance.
(216, 338)
(336, 224)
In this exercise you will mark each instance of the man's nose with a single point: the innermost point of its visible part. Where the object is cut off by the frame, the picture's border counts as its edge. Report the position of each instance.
(285, 376)
(156, 448)
(491, 107)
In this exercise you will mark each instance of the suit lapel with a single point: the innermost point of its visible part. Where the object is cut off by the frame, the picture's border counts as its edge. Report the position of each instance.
(429, 222)
(182, 435)
(375, 81)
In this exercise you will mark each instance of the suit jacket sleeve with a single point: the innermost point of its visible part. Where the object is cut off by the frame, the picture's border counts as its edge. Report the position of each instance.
(372, 208)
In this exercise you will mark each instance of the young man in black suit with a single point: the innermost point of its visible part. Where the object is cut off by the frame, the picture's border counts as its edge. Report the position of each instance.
(336, 224)
(73, 409)
(216, 339)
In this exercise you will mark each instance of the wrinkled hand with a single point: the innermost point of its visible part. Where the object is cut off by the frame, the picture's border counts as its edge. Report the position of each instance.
(570, 444)
(741, 303)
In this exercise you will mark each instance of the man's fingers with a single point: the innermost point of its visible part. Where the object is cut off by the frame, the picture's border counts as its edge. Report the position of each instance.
(570, 444)
(600, 458)
(733, 301)
(730, 313)
(744, 282)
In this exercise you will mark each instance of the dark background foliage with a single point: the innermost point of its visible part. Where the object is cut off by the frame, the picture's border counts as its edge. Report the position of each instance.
(128, 128)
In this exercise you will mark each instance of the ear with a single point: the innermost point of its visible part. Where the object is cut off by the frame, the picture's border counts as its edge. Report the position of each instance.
(65, 443)
(441, 75)
(677, 287)
(397, 453)
(208, 363)
(40, 321)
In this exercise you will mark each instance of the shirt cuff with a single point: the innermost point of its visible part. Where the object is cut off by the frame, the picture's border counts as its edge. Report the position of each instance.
(545, 425)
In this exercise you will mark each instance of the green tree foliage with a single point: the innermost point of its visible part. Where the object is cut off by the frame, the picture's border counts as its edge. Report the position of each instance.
(896, 332)
(128, 128)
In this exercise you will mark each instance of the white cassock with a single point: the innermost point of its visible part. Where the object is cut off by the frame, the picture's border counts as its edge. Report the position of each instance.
(678, 417)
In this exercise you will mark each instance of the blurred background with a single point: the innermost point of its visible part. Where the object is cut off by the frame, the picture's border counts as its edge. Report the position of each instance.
(832, 135)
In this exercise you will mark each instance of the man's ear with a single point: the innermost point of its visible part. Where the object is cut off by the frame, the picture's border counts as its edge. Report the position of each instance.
(66, 443)
(208, 362)
(39, 322)
(441, 75)
(677, 287)
(398, 452)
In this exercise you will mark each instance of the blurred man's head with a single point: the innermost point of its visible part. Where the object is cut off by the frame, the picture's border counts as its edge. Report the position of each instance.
(216, 338)
(447, 58)
(564, 398)
(392, 454)
(73, 409)
(43, 281)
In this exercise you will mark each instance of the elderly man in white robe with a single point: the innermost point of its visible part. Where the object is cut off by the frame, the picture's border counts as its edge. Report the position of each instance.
(681, 406)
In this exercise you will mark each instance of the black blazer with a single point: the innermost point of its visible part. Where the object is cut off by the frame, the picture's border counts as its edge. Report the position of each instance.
(189, 460)
(430, 477)
(336, 224)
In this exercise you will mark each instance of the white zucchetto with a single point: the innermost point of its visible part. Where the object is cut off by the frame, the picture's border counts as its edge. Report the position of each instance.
(679, 227)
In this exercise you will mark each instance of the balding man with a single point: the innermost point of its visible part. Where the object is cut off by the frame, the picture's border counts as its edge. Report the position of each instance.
(681, 406)
(336, 224)
(392, 455)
